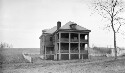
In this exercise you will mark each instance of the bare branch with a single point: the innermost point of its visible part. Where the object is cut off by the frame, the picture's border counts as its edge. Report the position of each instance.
(107, 26)
(119, 18)
(118, 11)
(119, 26)
(105, 8)
(100, 7)
(123, 33)
(120, 23)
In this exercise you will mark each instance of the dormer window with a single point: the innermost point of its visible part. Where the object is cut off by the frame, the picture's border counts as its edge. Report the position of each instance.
(73, 26)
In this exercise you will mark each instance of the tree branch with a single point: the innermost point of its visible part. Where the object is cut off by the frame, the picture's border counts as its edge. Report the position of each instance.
(118, 11)
(119, 26)
(107, 26)
(119, 18)
(102, 7)
(120, 23)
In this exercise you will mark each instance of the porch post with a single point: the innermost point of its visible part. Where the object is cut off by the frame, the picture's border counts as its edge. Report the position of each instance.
(45, 51)
(69, 46)
(79, 45)
(55, 47)
(88, 39)
(59, 45)
(88, 46)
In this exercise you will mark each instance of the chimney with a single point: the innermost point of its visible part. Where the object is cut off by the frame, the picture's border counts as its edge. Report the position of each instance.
(58, 25)
(43, 31)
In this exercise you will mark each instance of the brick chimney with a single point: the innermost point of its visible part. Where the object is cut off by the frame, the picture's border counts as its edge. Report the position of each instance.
(43, 31)
(58, 25)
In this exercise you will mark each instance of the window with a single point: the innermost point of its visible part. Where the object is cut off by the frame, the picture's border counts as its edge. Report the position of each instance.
(51, 39)
(42, 39)
(73, 26)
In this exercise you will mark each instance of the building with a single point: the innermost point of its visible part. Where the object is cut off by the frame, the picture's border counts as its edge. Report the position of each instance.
(66, 42)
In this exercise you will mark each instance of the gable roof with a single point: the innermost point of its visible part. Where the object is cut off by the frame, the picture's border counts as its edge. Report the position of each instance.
(66, 26)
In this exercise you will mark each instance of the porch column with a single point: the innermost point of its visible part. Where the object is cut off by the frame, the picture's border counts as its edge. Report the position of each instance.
(88, 46)
(55, 47)
(88, 39)
(79, 44)
(45, 51)
(69, 46)
(59, 46)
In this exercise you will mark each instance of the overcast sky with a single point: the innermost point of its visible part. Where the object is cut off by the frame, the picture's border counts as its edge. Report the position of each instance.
(22, 21)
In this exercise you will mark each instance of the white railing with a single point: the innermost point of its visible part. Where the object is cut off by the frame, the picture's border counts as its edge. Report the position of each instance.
(120, 52)
(41, 57)
(27, 57)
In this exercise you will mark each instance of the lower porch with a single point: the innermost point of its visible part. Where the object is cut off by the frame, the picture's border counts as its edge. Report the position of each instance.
(66, 56)
(67, 51)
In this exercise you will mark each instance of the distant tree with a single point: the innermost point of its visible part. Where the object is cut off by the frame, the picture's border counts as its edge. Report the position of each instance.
(5, 45)
(111, 10)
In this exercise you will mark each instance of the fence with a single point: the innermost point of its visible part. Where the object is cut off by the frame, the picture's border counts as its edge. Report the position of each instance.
(27, 57)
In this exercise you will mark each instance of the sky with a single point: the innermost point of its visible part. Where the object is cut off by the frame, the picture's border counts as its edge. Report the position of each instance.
(22, 21)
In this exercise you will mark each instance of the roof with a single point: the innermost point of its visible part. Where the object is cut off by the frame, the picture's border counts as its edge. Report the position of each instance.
(66, 26)
(52, 30)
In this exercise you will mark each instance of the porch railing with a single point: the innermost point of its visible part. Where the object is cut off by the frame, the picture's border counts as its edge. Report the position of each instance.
(50, 52)
(63, 40)
(64, 51)
(84, 51)
(72, 40)
(74, 51)
(83, 40)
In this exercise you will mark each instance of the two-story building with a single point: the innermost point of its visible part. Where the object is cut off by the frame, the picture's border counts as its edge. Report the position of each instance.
(66, 42)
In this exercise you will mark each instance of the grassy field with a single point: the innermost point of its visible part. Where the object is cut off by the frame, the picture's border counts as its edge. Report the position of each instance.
(100, 65)
(14, 55)
(12, 61)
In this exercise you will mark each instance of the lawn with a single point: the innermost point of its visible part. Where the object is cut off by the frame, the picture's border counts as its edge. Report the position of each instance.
(105, 65)
(13, 62)
(14, 55)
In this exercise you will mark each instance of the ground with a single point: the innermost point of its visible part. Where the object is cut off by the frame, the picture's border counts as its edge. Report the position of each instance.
(103, 65)
(12, 61)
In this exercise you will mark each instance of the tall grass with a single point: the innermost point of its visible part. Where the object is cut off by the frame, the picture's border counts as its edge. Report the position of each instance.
(14, 55)
(100, 51)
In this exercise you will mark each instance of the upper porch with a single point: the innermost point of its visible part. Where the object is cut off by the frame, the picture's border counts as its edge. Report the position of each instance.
(71, 37)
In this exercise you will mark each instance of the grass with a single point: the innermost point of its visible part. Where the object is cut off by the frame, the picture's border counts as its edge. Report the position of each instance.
(46, 63)
(70, 66)
(13, 61)
(14, 55)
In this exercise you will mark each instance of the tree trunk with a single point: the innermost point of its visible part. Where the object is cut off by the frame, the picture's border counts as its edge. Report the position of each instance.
(115, 49)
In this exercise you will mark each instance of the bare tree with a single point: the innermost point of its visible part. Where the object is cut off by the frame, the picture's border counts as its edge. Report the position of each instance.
(111, 10)
(5, 45)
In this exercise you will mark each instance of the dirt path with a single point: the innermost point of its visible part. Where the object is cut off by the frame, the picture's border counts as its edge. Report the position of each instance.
(99, 66)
